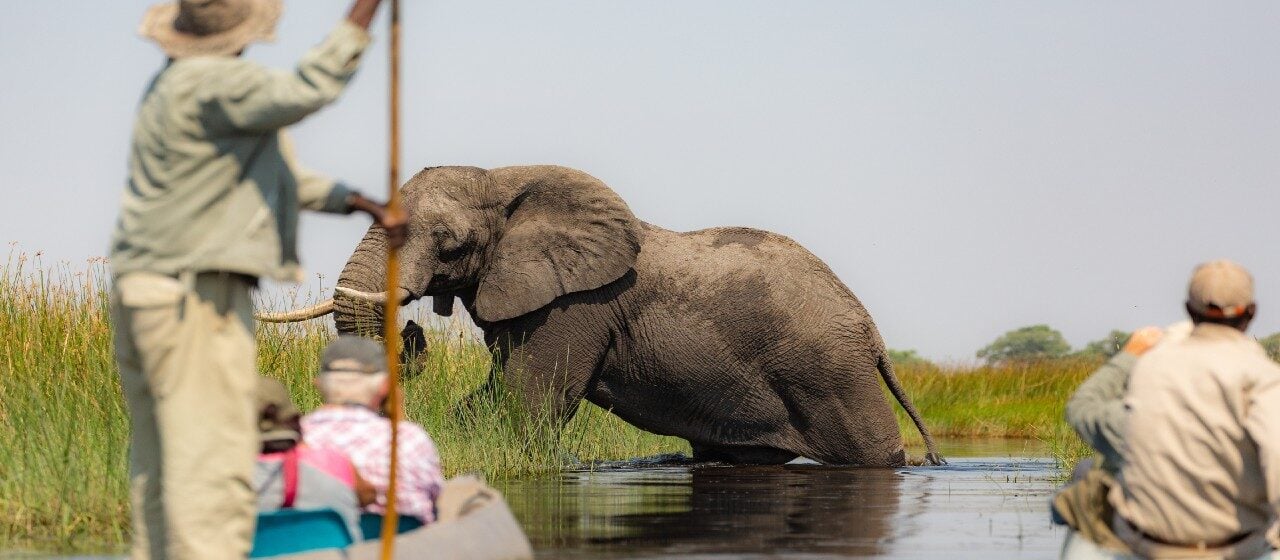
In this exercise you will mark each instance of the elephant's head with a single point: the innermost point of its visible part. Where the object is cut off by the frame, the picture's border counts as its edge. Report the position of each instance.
(507, 240)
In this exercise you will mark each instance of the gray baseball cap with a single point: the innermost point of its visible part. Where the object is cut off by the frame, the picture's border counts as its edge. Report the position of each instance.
(353, 354)
(277, 416)
(1220, 289)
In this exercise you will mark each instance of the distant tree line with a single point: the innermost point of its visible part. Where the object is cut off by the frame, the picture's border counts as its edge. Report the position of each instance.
(1041, 342)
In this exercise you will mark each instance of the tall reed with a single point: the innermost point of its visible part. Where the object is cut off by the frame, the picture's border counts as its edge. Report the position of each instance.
(64, 426)
(1016, 400)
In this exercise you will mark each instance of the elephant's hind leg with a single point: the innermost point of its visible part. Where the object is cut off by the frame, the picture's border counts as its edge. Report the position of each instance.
(741, 455)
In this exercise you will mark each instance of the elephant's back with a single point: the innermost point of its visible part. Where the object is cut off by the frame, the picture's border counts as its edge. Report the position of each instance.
(738, 277)
(721, 256)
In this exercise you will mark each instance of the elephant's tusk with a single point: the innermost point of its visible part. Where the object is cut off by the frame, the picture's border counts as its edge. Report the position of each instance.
(380, 298)
(318, 310)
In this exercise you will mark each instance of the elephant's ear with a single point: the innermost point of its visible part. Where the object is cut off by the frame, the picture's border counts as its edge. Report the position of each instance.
(565, 232)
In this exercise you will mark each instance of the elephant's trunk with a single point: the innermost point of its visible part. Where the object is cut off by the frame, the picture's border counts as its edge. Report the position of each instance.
(365, 271)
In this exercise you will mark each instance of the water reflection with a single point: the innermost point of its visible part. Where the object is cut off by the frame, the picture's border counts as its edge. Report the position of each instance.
(988, 507)
(679, 511)
(989, 503)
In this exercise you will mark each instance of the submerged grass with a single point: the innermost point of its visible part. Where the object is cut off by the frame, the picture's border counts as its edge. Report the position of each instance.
(64, 426)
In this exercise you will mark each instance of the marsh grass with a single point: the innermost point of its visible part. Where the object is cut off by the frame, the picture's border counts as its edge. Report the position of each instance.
(1018, 400)
(64, 426)
(62, 422)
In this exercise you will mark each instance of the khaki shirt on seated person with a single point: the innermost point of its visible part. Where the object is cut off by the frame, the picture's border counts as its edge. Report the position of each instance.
(1202, 443)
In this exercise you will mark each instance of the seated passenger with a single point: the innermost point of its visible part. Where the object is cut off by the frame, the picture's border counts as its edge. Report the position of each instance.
(294, 475)
(353, 382)
(1096, 409)
(1199, 442)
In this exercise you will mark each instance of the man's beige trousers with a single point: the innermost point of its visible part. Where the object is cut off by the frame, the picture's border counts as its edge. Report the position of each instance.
(186, 354)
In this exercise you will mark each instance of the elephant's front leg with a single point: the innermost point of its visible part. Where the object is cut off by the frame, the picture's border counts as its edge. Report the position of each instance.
(548, 372)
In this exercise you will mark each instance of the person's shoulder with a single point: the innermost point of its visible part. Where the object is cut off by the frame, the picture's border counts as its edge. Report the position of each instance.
(213, 67)
(1260, 361)
(331, 418)
(411, 427)
(219, 75)
(414, 431)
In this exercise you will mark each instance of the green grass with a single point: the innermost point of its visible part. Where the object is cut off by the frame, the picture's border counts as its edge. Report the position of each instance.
(62, 420)
(64, 426)
(1021, 400)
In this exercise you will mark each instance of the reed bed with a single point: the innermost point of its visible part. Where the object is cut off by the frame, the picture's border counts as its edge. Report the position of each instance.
(64, 425)
(1016, 400)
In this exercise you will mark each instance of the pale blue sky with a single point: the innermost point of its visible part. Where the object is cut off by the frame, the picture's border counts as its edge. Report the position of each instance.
(965, 167)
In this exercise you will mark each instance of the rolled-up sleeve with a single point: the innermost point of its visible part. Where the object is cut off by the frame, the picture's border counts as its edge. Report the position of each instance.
(1096, 409)
(250, 98)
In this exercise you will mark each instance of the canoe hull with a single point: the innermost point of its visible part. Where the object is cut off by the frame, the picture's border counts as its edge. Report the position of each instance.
(475, 524)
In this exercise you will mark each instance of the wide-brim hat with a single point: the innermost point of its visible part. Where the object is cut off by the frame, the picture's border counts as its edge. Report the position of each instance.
(210, 27)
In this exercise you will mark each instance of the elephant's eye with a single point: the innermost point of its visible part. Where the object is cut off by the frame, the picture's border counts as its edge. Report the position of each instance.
(448, 246)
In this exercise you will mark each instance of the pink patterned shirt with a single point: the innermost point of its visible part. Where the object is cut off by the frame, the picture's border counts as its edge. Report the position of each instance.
(365, 437)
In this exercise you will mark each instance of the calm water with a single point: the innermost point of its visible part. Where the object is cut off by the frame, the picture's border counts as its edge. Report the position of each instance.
(990, 502)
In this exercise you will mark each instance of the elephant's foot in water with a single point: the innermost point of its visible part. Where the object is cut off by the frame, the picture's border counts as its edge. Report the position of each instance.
(740, 455)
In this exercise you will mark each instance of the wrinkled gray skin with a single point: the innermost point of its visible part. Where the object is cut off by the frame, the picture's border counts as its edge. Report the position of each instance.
(736, 339)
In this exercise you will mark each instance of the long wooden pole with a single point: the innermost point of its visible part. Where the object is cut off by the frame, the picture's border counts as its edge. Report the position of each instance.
(391, 520)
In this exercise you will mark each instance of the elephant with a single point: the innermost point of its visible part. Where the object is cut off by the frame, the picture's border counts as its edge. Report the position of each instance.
(738, 340)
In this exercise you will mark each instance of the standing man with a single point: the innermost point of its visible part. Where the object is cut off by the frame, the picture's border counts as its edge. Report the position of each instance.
(210, 206)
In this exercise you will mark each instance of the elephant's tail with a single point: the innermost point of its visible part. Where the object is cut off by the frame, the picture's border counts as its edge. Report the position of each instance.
(891, 380)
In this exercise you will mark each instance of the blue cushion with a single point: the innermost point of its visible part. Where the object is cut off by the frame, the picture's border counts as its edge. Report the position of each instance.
(371, 525)
(298, 530)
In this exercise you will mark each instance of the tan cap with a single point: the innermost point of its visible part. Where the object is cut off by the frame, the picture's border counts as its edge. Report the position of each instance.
(1220, 289)
(210, 27)
(277, 417)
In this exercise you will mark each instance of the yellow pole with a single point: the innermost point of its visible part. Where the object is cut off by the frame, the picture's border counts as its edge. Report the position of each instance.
(392, 519)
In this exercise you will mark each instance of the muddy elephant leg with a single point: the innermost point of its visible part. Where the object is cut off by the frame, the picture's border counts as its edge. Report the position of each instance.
(548, 371)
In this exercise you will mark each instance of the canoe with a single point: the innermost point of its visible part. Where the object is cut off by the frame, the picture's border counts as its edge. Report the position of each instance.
(473, 523)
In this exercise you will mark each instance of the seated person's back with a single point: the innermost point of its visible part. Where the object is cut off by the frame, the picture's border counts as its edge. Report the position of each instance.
(353, 383)
(290, 474)
(1201, 451)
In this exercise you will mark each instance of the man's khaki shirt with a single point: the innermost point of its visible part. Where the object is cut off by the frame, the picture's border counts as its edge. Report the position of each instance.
(1202, 440)
(212, 181)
